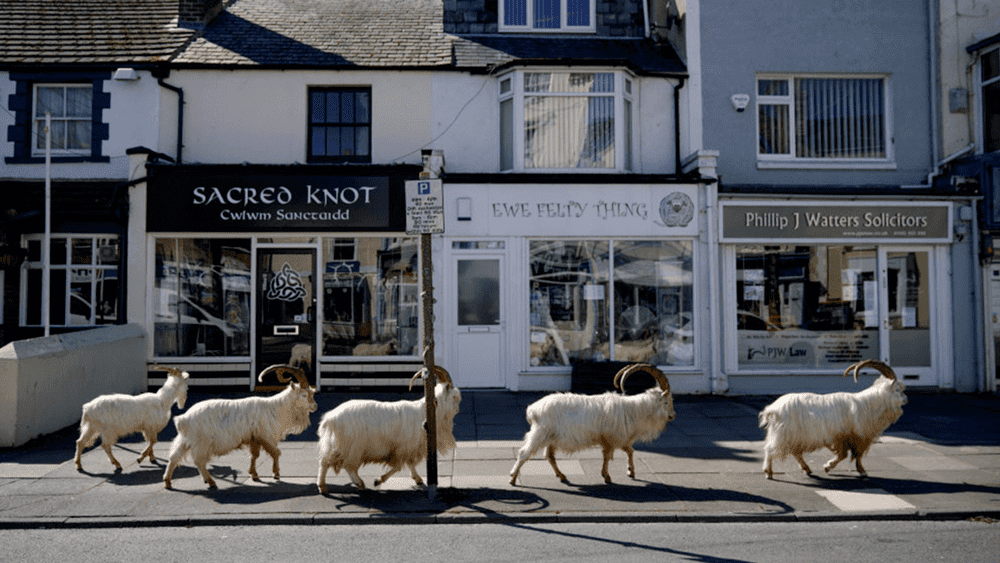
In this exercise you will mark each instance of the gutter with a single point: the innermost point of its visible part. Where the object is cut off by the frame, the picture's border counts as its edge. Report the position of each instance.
(180, 115)
(677, 126)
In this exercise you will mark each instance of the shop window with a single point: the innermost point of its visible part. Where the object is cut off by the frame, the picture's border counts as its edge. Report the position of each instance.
(563, 121)
(370, 297)
(990, 84)
(83, 281)
(579, 286)
(819, 121)
(547, 15)
(806, 306)
(201, 297)
(340, 125)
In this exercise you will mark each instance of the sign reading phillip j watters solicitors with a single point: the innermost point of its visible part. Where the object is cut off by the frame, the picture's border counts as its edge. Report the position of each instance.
(835, 221)
(255, 202)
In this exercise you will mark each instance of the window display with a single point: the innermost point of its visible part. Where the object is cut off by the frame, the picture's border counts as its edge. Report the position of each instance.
(588, 294)
(806, 306)
(201, 297)
(370, 297)
(83, 280)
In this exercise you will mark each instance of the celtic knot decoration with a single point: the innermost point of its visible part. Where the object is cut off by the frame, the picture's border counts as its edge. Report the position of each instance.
(286, 285)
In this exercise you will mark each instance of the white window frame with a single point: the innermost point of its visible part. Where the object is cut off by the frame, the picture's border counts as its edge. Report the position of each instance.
(510, 87)
(980, 96)
(791, 160)
(94, 266)
(38, 121)
(529, 26)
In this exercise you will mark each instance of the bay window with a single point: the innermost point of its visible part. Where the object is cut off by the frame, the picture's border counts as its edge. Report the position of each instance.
(816, 120)
(566, 121)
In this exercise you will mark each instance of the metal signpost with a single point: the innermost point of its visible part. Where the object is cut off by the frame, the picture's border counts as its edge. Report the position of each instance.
(425, 216)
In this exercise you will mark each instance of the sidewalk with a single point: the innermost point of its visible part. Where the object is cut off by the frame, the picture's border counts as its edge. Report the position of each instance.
(941, 460)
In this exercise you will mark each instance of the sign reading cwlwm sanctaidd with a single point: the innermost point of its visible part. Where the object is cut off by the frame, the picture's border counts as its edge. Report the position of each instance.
(424, 207)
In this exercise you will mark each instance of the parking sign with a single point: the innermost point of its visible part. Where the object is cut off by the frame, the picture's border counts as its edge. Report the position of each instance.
(424, 207)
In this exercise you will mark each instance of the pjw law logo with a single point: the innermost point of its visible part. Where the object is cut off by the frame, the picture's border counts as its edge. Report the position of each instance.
(777, 352)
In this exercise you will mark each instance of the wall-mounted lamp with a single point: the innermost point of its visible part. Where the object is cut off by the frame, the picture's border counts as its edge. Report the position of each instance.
(464, 211)
(740, 101)
(125, 73)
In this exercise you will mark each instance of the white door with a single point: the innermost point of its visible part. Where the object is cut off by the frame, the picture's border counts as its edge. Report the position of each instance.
(993, 382)
(907, 314)
(479, 319)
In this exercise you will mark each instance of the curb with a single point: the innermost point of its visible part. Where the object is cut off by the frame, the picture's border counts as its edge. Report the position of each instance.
(271, 519)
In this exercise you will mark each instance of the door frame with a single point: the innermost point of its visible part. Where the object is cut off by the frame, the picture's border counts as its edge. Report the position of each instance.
(918, 375)
(451, 325)
(255, 342)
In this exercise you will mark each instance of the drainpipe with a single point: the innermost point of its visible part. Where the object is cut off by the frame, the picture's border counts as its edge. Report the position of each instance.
(180, 116)
(677, 126)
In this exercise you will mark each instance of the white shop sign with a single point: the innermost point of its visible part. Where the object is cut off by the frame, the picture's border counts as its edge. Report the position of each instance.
(575, 210)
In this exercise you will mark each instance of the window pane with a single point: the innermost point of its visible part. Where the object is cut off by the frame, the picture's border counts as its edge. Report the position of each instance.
(57, 297)
(547, 14)
(83, 251)
(839, 118)
(628, 135)
(78, 135)
(33, 298)
(370, 297)
(568, 132)
(478, 292)
(362, 107)
(57, 252)
(347, 108)
(506, 134)
(772, 87)
(108, 251)
(909, 309)
(332, 107)
(78, 102)
(333, 141)
(317, 111)
(806, 306)
(991, 65)
(515, 12)
(654, 320)
(201, 297)
(80, 304)
(347, 141)
(318, 141)
(363, 141)
(773, 123)
(50, 99)
(578, 12)
(991, 117)
(107, 296)
(568, 301)
(537, 81)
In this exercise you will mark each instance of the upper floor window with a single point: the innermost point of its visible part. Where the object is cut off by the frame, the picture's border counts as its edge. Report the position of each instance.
(990, 80)
(70, 107)
(340, 125)
(547, 15)
(566, 121)
(823, 121)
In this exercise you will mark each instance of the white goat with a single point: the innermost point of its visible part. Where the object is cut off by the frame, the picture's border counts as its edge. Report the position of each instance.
(360, 432)
(218, 426)
(799, 423)
(113, 416)
(571, 422)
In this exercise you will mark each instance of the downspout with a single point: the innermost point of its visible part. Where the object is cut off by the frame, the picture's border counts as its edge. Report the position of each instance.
(180, 116)
(645, 16)
(677, 126)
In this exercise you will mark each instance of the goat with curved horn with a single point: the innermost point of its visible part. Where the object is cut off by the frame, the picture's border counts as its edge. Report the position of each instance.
(570, 422)
(844, 423)
(113, 416)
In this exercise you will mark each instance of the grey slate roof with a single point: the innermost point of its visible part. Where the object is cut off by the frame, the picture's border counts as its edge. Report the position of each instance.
(89, 31)
(347, 33)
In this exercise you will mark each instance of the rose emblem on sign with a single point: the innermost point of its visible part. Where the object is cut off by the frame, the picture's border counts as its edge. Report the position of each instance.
(676, 209)
(286, 285)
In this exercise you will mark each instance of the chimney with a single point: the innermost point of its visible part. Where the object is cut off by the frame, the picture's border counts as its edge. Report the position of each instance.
(197, 13)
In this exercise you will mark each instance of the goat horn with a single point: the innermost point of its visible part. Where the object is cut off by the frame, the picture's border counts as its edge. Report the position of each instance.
(439, 372)
(648, 368)
(170, 370)
(282, 370)
(881, 367)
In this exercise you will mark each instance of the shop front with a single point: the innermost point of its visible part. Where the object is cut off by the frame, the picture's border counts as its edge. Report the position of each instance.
(811, 287)
(541, 278)
(250, 266)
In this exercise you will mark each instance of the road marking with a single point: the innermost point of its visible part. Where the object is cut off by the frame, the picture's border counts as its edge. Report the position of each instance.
(865, 500)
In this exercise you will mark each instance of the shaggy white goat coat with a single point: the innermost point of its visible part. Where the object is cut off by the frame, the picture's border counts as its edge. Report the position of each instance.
(114, 416)
(218, 426)
(361, 432)
(570, 422)
(844, 423)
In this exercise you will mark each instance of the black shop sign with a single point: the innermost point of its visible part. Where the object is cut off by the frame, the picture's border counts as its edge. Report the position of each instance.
(198, 202)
